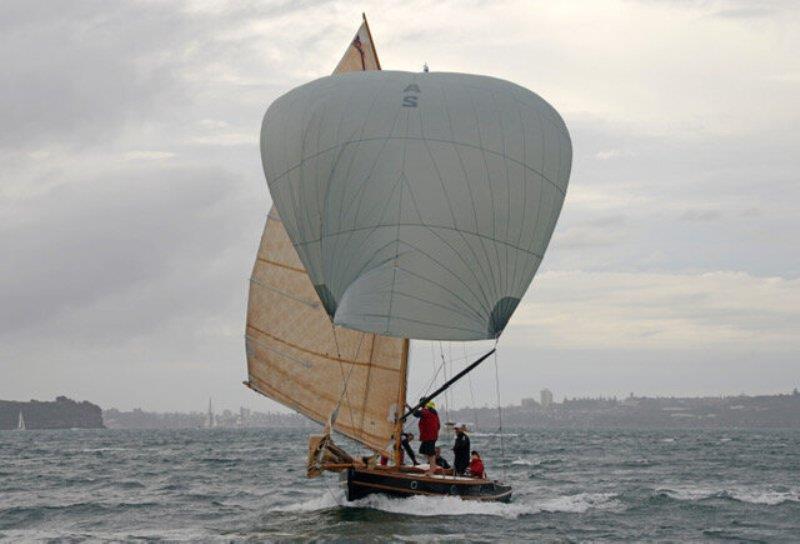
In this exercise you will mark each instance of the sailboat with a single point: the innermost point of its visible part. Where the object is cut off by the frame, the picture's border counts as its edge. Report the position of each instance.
(21, 422)
(405, 206)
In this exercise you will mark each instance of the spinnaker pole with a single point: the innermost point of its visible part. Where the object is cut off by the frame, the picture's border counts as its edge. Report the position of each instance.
(447, 384)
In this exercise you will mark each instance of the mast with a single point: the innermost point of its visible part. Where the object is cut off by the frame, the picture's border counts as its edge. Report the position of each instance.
(401, 403)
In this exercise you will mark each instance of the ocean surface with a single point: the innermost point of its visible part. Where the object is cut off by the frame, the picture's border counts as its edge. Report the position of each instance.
(249, 486)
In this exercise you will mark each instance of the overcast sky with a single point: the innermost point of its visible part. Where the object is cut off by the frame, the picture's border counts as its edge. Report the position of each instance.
(132, 198)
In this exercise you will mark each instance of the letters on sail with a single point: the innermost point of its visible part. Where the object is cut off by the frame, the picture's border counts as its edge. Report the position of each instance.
(293, 354)
(421, 204)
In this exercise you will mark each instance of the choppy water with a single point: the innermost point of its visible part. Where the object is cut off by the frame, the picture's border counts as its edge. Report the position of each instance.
(249, 485)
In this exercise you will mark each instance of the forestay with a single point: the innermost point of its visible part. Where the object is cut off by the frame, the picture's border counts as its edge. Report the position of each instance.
(421, 204)
(293, 354)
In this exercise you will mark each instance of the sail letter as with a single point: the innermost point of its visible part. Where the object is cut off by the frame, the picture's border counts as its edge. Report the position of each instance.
(423, 222)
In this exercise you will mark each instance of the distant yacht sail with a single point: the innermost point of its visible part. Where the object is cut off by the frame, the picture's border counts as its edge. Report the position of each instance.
(21, 422)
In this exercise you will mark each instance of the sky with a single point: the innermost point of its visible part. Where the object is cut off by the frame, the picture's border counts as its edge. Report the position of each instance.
(132, 197)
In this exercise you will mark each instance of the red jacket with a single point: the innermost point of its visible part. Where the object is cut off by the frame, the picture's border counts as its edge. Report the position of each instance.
(428, 424)
(476, 468)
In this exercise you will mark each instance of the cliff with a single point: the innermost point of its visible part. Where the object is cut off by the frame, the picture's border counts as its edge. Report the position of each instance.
(63, 413)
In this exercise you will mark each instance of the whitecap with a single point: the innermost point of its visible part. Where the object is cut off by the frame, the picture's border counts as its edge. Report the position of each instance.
(524, 462)
(413, 506)
(581, 502)
(771, 498)
(426, 506)
(688, 493)
(752, 495)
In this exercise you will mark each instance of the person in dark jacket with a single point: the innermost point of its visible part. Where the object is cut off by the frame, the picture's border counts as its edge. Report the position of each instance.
(405, 440)
(441, 461)
(461, 450)
(428, 432)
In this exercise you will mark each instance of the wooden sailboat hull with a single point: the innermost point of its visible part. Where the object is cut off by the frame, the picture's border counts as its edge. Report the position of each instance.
(360, 483)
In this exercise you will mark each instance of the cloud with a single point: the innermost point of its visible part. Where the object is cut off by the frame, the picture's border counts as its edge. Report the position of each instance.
(719, 310)
(701, 215)
(607, 154)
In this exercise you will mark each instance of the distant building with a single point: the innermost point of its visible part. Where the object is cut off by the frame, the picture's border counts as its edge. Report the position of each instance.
(546, 398)
(244, 416)
(210, 421)
(529, 403)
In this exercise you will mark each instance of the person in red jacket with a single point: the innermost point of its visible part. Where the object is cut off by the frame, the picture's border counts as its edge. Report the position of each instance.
(428, 432)
(476, 469)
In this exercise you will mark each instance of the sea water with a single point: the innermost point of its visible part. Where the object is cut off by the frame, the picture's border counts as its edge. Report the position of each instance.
(224, 485)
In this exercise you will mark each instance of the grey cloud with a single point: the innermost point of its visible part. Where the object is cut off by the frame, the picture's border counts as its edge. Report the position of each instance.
(701, 215)
(93, 238)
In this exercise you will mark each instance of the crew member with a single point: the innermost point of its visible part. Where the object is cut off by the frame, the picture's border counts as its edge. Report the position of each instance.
(441, 461)
(476, 469)
(405, 440)
(428, 431)
(461, 450)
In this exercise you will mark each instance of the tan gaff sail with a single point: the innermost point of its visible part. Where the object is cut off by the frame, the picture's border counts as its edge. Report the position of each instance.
(293, 354)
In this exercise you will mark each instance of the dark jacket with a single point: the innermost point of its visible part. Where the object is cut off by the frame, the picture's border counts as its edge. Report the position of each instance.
(428, 424)
(461, 451)
(442, 462)
(407, 447)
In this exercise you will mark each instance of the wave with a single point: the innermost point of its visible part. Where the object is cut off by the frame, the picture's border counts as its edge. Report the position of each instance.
(425, 506)
(751, 495)
(494, 435)
(581, 503)
(520, 462)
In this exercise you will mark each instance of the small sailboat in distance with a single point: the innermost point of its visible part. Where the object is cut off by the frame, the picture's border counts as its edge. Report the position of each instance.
(21, 422)
(405, 206)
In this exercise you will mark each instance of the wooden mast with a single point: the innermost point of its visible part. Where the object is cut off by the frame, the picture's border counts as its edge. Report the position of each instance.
(401, 405)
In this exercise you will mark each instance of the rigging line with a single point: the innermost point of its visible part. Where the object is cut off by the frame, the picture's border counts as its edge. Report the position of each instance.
(444, 368)
(435, 374)
(499, 413)
(471, 393)
(346, 380)
(450, 403)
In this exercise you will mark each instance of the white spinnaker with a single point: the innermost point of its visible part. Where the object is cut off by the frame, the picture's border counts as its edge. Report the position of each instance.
(421, 204)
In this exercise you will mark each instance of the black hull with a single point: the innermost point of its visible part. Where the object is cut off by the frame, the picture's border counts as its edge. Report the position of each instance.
(360, 483)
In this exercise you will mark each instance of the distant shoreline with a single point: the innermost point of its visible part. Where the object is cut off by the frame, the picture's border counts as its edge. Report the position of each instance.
(632, 413)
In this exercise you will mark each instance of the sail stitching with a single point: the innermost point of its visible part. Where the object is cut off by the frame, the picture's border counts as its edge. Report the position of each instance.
(443, 227)
(280, 177)
(284, 266)
(318, 354)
